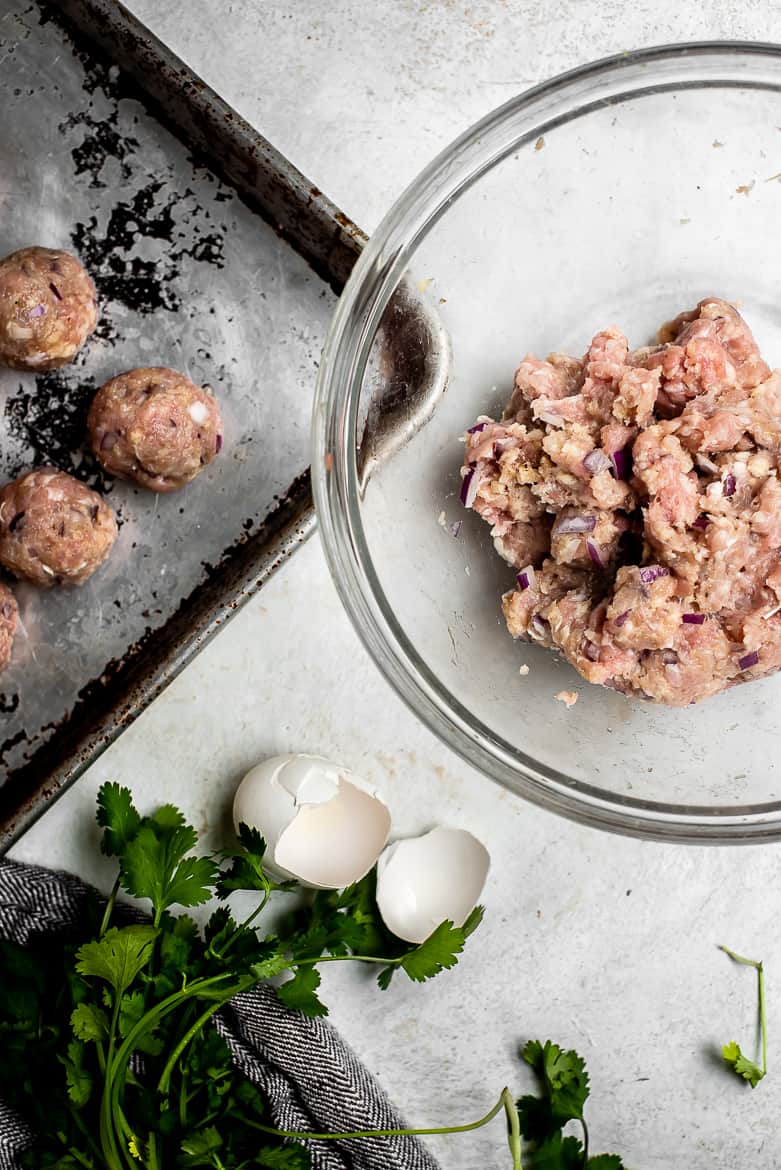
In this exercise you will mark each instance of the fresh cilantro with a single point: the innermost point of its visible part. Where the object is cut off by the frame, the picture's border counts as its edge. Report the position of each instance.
(437, 953)
(154, 864)
(118, 818)
(299, 992)
(564, 1086)
(89, 1022)
(744, 1068)
(119, 956)
(123, 1011)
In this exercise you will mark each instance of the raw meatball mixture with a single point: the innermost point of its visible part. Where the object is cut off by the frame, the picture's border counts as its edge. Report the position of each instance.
(637, 493)
(155, 427)
(48, 308)
(53, 529)
(9, 615)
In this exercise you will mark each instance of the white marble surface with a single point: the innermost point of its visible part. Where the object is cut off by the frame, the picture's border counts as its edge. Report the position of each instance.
(603, 943)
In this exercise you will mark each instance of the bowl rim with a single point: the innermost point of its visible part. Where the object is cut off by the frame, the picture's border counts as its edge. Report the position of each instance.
(334, 466)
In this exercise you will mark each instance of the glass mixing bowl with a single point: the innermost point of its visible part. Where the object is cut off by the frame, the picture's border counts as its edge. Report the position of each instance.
(622, 192)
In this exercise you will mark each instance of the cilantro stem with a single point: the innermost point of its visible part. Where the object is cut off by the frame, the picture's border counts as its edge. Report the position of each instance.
(165, 1077)
(585, 1143)
(760, 970)
(109, 908)
(513, 1128)
(303, 1135)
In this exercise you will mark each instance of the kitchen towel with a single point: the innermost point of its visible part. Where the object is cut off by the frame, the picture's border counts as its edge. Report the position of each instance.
(312, 1080)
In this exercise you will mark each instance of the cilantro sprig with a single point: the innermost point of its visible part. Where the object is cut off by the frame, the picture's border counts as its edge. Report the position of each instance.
(734, 1058)
(124, 1011)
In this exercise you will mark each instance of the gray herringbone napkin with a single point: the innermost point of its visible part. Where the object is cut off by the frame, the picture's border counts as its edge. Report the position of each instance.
(313, 1081)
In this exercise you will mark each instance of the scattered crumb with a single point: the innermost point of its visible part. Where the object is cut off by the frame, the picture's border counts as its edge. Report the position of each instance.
(443, 300)
(716, 142)
(684, 221)
(467, 570)
(423, 285)
(539, 143)
(774, 178)
(328, 461)
(456, 528)
(569, 698)
(524, 670)
(745, 188)
(442, 520)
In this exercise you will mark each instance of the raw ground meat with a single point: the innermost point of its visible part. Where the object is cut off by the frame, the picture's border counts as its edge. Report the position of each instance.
(48, 308)
(638, 495)
(53, 529)
(155, 427)
(9, 616)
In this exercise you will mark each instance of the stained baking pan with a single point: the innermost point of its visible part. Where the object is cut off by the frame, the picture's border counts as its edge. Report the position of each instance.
(112, 148)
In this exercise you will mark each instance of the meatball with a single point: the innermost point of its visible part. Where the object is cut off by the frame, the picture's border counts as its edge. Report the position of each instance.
(9, 615)
(155, 427)
(638, 495)
(53, 529)
(48, 308)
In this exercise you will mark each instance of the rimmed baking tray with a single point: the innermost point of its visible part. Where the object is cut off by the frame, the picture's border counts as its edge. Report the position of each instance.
(185, 216)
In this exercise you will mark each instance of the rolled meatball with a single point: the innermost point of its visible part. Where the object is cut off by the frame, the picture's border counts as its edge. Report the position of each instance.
(53, 529)
(9, 615)
(155, 427)
(48, 308)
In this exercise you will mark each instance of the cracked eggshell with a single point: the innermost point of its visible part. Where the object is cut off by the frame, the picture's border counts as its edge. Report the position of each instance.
(324, 826)
(421, 881)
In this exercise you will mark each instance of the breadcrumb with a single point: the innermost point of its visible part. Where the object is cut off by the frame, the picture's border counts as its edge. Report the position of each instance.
(569, 698)
(524, 670)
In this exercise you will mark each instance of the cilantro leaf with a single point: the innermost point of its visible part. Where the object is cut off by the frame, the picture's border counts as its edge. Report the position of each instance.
(440, 950)
(118, 956)
(246, 871)
(77, 1078)
(741, 1065)
(200, 1146)
(564, 1078)
(555, 1153)
(154, 864)
(299, 993)
(118, 817)
(605, 1162)
(283, 1158)
(89, 1022)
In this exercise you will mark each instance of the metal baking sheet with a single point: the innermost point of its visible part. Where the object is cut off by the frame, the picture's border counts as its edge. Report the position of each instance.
(189, 276)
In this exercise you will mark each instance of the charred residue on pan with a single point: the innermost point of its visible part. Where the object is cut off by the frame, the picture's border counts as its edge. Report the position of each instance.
(48, 413)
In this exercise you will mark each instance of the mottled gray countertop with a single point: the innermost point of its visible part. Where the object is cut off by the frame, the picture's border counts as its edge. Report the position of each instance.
(598, 942)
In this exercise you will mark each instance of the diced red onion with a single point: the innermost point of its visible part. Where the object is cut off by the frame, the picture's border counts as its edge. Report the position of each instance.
(595, 553)
(619, 621)
(108, 440)
(706, 464)
(652, 573)
(38, 311)
(591, 651)
(469, 487)
(526, 577)
(477, 427)
(693, 619)
(8, 609)
(455, 529)
(669, 657)
(580, 522)
(56, 291)
(539, 625)
(546, 416)
(748, 660)
(622, 463)
(217, 444)
(596, 461)
(729, 485)
(702, 521)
